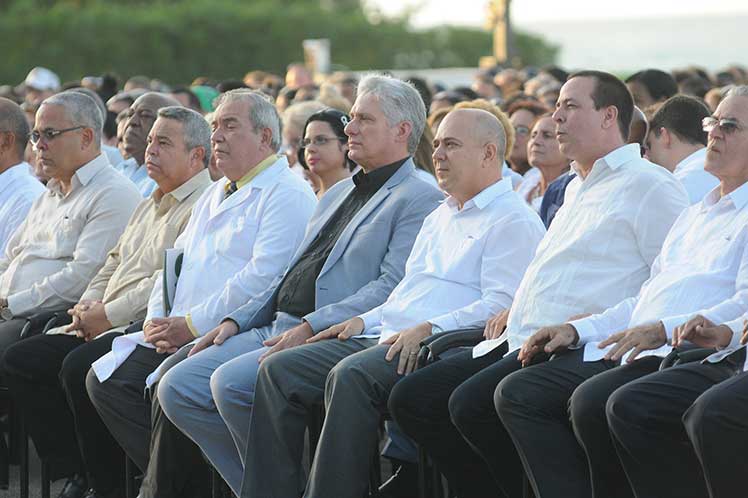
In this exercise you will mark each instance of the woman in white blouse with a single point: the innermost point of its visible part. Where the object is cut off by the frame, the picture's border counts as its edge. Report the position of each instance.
(543, 153)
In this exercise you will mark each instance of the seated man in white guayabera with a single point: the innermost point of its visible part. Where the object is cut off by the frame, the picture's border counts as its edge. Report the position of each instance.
(677, 142)
(65, 238)
(240, 237)
(18, 187)
(466, 265)
(352, 258)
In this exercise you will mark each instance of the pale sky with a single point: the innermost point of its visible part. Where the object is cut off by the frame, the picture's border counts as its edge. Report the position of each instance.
(472, 12)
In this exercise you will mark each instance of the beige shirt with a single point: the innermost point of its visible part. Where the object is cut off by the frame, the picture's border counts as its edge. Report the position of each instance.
(132, 268)
(65, 238)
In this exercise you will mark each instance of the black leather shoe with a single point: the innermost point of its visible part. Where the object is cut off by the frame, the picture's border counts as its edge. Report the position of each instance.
(75, 487)
(402, 484)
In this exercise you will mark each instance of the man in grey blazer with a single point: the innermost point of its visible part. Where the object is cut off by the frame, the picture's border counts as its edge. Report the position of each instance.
(352, 257)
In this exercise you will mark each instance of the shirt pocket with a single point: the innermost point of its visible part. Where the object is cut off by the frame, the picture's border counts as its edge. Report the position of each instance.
(238, 239)
(64, 239)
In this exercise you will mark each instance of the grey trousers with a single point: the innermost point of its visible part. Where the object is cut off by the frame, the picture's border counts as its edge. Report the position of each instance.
(209, 396)
(353, 380)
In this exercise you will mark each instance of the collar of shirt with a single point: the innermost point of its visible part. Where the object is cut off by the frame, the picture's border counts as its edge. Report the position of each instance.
(693, 160)
(374, 180)
(10, 174)
(484, 197)
(82, 176)
(253, 173)
(738, 198)
(180, 193)
(613, 159)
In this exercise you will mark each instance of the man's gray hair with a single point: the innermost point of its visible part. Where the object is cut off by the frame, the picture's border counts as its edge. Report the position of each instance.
(95, 97)
(738, 91)
(399, 101)
(196, 130)
(81, 110)
(14, 121)
(262, 112)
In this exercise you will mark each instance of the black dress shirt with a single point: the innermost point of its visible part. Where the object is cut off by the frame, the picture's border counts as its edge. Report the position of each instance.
(296, 295)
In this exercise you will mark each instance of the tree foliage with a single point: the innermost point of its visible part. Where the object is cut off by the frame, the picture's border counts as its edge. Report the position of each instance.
(177, 40)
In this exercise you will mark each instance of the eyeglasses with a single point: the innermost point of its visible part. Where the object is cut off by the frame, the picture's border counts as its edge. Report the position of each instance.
(49, 134)
(726, 125)
(320, 141)
(521, 130)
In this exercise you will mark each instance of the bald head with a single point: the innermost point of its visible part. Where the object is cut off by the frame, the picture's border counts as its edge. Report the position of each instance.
(468, 150)
(14, 133)
(140, 118)
(480, 126)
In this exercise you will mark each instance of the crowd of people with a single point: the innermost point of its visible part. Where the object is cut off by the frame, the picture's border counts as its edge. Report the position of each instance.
(230, 260)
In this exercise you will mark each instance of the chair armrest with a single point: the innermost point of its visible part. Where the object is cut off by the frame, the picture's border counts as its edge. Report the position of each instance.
(59, 319)
(434, 346)
(685, 354)
(135, 326)
(37, 323)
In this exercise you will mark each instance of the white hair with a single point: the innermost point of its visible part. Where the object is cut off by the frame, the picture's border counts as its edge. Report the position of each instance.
(81, 110)
(262, 112)
(399, 101)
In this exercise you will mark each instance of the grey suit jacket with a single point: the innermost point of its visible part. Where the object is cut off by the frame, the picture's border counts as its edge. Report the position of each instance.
(367, 261)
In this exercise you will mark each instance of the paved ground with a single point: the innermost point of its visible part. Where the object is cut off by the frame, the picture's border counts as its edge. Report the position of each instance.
(35, 490)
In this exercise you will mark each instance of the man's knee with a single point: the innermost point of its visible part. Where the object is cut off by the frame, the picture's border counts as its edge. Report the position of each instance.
(519, 391)
(705, 416)
(13, 361)
(74, 369)
(625, 405)
(587, 403)
(229, 389)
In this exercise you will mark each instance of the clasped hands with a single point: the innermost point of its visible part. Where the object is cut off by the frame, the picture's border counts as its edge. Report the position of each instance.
(167, 334)
(89, 320)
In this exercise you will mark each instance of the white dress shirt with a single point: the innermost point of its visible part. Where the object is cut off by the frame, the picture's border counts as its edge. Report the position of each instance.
(600, 246)
(112, 153)
(465, 264)
(702, 269)
(138, 174)
(18, 191)
(507, 172)
(65, 238)
(697, 182)
(530, 182)
(233, 249)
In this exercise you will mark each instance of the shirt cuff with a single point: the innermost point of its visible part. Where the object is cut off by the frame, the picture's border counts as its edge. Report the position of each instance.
(445, 322)
(671, 322)
(371, 318)
(586, 330)
(736, 326)
(118, 312)
(193, 330)
(20, 303)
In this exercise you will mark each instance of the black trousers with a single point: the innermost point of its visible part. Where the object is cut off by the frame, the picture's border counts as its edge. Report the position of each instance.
(173, 465)
(46, 376)
(682, 432)
(447, 408)
(10, 332)
(533, 406)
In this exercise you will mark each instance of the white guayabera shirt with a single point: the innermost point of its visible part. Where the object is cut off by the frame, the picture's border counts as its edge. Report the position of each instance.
(600, 246)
